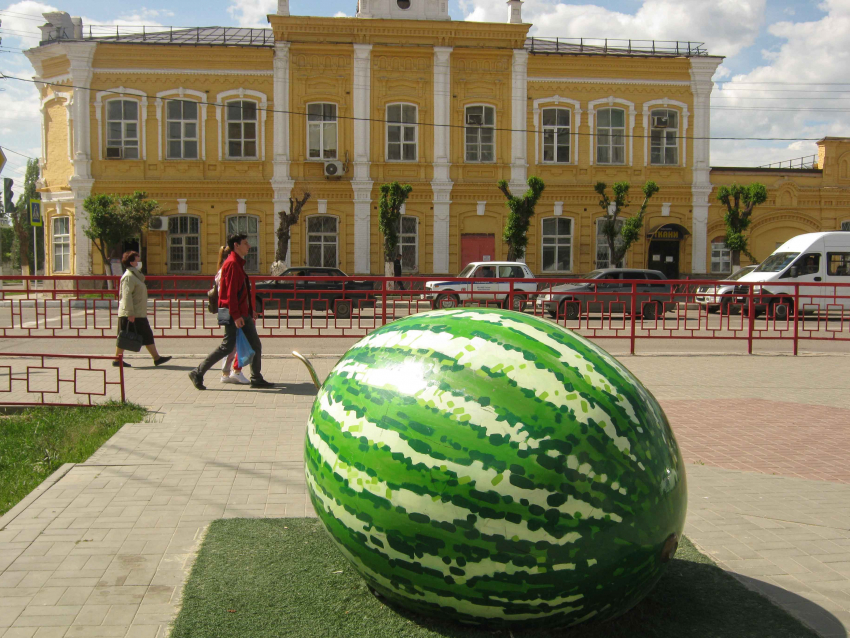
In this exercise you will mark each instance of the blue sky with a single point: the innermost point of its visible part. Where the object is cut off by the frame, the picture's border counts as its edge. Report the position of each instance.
(769, 45)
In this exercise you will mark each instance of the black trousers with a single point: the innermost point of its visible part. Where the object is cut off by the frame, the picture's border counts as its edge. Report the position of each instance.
(229, 342)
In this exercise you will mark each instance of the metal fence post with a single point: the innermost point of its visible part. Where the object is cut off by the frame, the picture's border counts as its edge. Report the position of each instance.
(633, 313)
(384, 301)
(796, 318)
(751, 319)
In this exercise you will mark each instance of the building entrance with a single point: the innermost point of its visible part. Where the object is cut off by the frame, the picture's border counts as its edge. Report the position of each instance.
(477, 247)
(664, 248)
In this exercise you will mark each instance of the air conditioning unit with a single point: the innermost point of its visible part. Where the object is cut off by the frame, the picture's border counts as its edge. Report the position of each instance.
(660, 122)
(334, 169)
(114, 152)
(158, 223)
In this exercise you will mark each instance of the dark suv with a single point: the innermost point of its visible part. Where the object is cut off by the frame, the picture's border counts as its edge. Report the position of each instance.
(321, 289)
(609, 292)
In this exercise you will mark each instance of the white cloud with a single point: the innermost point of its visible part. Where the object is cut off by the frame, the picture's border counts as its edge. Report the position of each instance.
(341, 14)
(252, 13)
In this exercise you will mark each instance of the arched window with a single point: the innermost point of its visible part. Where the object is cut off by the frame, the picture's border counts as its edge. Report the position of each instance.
(122, 129)
(241, 129)
(247, 225)
(664, 137)
(323, 241)
(556, 135)
(322, 131)
(184, 244)
(480, 133)
(611, 136)
(402, 133)
(603, 251)
(181, 131)
(408, 242)
(557, 237)
(721, 256)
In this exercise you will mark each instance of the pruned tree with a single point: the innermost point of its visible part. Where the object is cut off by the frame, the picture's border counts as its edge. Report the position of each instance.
(19, 215)
(136, 210)
(740, 201)
(630, 230)
(284, 232)
(113, 219)
(521, 210)
(393, 197)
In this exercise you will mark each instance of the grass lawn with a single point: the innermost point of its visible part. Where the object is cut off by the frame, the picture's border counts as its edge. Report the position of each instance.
(284, 577)
(35, 443)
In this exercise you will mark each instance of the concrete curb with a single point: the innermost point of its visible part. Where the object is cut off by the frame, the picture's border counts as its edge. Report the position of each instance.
(33, 496)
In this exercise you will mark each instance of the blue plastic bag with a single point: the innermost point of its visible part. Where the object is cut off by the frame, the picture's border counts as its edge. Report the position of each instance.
(244, 351)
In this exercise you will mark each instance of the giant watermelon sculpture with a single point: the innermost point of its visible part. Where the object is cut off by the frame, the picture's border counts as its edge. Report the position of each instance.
(493, 467)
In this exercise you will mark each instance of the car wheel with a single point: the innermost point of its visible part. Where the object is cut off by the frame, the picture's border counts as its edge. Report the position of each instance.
(552, 315)
(649, 310)
(518, 304)
(713, 310)
(342, 309)
(443, 302)
(781, 308)
(570, 310)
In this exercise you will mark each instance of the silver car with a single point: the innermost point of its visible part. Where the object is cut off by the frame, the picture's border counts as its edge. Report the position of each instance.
(716, 297)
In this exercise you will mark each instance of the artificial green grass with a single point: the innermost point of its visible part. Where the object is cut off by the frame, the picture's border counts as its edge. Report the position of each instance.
(284, 577)
(35, 443)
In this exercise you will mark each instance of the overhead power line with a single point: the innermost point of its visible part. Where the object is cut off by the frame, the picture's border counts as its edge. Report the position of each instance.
(6, 148)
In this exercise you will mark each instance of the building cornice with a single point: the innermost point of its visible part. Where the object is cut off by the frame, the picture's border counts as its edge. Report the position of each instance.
(186, 71)
(612, 81)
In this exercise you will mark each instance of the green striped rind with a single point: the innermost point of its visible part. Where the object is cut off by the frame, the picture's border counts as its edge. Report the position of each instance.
(495, 467)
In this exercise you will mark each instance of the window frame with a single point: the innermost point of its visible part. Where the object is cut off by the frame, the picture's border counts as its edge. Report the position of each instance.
(183, 139)
(65, 243)
(557, 246)
(321, 126)
(620, 221)
(255, 244)
(467, 127)
(221, 117)
(720, 241)
(664, 145)
(402, 126)
(556, 128)
(684, 115)
(610, 130)
(415, 243)
(308, 233)
(243, 140)
(124, 122)
(184, 246)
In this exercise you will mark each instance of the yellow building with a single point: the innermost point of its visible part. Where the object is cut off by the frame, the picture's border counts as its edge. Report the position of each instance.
(223, 126)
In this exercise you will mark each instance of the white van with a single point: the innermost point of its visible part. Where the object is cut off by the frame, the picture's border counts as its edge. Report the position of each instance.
(818, 260)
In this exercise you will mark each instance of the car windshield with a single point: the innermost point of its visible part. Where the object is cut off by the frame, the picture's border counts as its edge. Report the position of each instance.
(744, 271)
(467, 271)
(593, 274)
(777, 262)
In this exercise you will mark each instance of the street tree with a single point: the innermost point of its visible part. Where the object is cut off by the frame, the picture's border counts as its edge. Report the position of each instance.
(521, 210)
(393, 197)
(284, 232)
(740, 201)
(19, 215)
(114, 219)
(630, 229)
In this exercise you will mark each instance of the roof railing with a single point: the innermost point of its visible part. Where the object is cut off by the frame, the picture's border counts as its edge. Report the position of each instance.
(607, 46)
(805, 162)
(210, 36)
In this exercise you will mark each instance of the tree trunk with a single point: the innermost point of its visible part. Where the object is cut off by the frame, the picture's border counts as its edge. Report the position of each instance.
(736, 260)
(283, 236)
(389, 271)
(23, 246)
(511, 254)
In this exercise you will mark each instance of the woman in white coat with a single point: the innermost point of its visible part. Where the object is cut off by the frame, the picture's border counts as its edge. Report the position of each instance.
(133, 307)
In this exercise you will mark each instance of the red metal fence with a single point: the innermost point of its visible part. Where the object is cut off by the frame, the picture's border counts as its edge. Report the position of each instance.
(327, 307)
(60, 380)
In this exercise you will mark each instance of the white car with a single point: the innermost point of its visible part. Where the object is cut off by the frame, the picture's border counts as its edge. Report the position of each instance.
(488, 281)
(720, 297)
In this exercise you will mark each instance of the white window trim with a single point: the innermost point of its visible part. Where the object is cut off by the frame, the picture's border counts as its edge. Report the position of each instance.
(262, 100)
(572, 239)
(307, 157)
(596, 244)
(181, 94)
(415, 243)
(387, 132)
(575, 123)
(258, 245)
(495, 132)
(53, 242)
(683, 135)
(182, 211)
(307, 239)
(119, 93)
(630, 127)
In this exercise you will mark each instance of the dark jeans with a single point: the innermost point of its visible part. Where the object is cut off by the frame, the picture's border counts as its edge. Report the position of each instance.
(229, 342)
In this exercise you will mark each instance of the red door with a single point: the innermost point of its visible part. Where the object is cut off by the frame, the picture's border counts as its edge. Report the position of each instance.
(477, 248)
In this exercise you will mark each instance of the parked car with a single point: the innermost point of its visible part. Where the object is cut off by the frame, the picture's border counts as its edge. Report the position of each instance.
(451, 294)
(716, 297)
(323, 289)
(609, 291)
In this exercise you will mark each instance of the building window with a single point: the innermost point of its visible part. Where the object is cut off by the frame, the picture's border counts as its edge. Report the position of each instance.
(61, 244)
(322, 131)
(182, 129)
(557, 244)
(845, 225)
(242, 129)
(322, 241)
(721, 256)
(401, 133)
(556, 135)
(603, 251)
(611, 136)
(184, 244)
(408, 243)
(480, 134)
(664, 137)
(247, 225)
(122, 129)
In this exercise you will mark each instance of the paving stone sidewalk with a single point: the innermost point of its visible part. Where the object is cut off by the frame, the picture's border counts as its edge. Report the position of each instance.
(105, 550)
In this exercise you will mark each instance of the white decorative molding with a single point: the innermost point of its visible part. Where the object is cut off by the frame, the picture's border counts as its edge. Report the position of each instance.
(137, 70)
(202, 123)
(442, 216)
(683, 134)
(611, 81)
(519, 115)
(117, 94)
(665, 209)
(559, 209)
(182, 207)
(575, 123)
(281, 113)
(283, 7)
(323, 206)
(403, 209)
(482, 207)
(361, 182)
(362, 227)
(241, 206)
(416, 10)
(262, 100)
(606, 102)
(442, 115)
(514, 11)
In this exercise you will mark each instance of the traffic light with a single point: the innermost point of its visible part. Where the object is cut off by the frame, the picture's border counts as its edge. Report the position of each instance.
(8, 196)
